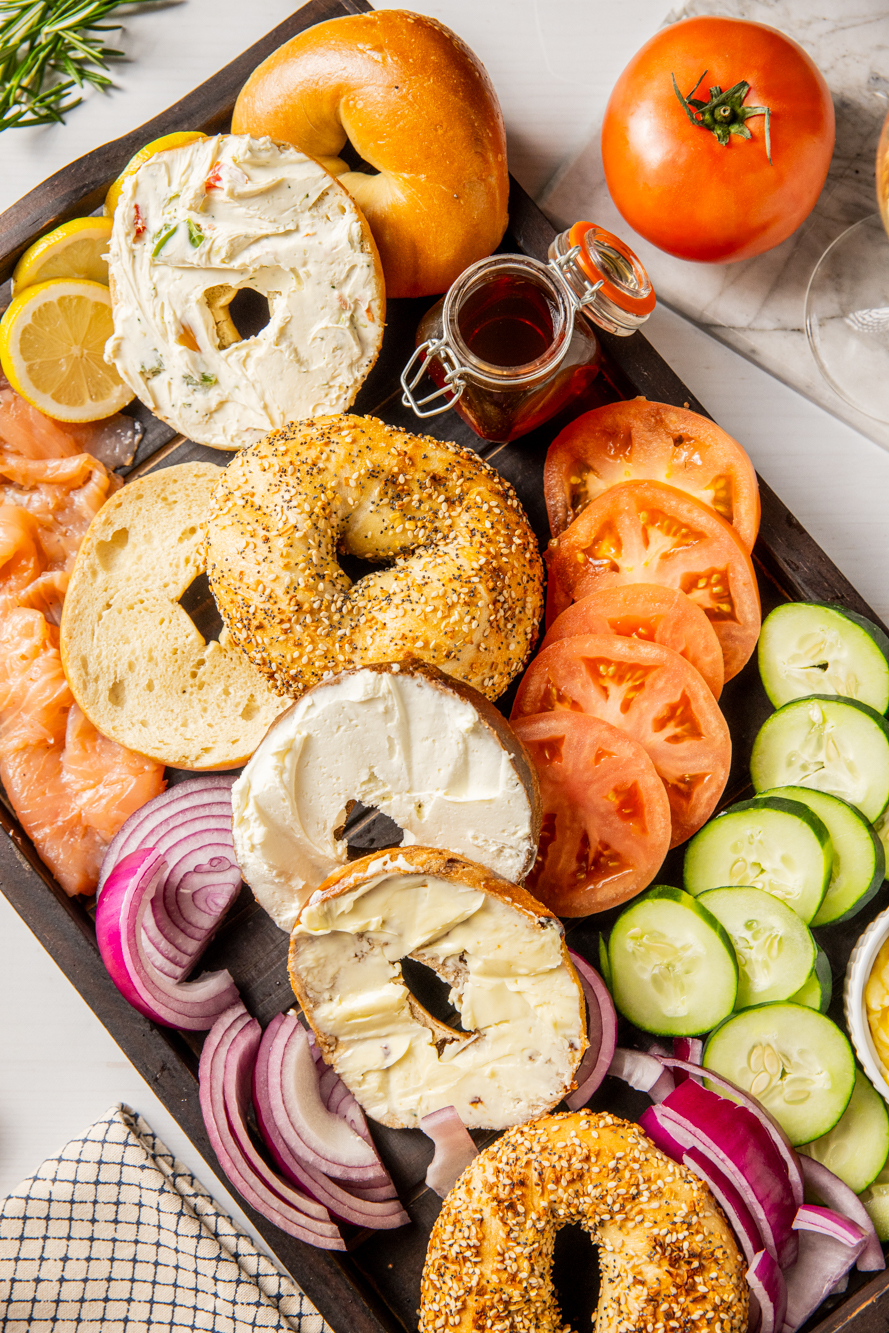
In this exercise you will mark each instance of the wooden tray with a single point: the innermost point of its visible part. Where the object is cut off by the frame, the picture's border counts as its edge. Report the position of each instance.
(376, 1286)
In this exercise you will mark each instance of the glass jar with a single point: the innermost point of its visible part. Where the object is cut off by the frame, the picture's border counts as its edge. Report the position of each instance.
(514, 338)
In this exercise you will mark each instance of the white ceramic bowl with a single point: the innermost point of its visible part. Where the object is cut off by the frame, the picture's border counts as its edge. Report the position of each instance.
(861, 961)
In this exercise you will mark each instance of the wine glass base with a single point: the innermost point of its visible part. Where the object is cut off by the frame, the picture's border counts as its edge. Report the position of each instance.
(847, 316)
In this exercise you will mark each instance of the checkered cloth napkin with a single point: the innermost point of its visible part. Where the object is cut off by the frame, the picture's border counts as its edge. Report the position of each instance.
(115, 1236)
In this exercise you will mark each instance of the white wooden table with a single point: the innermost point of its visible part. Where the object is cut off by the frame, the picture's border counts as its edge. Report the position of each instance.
(553, 65)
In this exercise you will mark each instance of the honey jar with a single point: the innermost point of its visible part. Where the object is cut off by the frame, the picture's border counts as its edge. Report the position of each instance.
(515, 338)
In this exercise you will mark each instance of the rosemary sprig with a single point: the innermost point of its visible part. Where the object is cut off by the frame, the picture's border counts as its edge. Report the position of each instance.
(48, 50)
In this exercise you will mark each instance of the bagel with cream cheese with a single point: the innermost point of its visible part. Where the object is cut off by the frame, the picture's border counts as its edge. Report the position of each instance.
(667, 1257)
(135, 660)
(461, 585)
(198, 224)
(501, 952)
(417, 106)
(428, 751)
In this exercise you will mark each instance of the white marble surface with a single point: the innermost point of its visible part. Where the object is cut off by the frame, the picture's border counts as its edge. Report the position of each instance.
(758, 306)
(553, 65)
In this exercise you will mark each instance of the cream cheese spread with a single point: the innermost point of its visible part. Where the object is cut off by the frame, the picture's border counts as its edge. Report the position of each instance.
(407, 746)
(511, 984)
(195, 225)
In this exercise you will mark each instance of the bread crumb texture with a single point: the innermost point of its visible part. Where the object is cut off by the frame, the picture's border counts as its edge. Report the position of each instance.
(667, 1258)
(461, 579)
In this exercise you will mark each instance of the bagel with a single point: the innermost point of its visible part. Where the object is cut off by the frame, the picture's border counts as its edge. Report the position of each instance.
(430, 753)
(501, 952)
(463, 587)
(417, 105)
(194, 226)
(136, 663)
(667, 1257)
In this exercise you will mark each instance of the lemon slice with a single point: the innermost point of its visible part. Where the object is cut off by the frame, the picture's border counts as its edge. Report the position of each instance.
(74, 250)
(52, 341)
(177, 140)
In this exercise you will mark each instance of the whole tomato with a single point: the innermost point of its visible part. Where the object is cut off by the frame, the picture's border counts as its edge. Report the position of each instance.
(691, 159)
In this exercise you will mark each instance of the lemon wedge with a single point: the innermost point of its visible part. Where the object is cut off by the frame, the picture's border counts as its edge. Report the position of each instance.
(74, 250)
(52, 341)
(177, 140)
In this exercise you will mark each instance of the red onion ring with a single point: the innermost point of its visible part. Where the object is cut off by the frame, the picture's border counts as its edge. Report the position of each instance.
(829, 1246)
(769, 1290)
(643, 1071)
(454, 1148)
(601, 1030)
(120, 913)
(838, 1196)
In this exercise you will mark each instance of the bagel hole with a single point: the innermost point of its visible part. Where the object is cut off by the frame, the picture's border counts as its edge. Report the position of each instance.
(200, 606)
(576, 1276)
(354, 161)
(433, 993)
(249, 311)
(355, 568)
(367, 830)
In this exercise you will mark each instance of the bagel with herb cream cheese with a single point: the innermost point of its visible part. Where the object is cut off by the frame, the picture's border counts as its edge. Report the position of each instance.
(427, 751)
(197, 224)
(667, 1256)
(419, 108)
(504, 957)
(461, 583)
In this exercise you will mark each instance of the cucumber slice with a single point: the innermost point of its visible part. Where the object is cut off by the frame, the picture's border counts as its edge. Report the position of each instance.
(821, 648)
(876, 1200)
(816, 991)
(796, 1061)
(672, 965)
(858, 1145)
(604, 964)
(775, 951)
(859, 861)
(881, 829)
(772, 844)
(835, 745)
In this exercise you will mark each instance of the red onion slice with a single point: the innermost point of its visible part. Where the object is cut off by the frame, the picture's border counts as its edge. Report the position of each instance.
(767, 1286)
(226, 1064)
(827, 1187)
(601, 1030)
(454, 1148)
(185, 797)
(829, 1246)
(643, 1072)
(120, 913)
(792, 1160)
(690, 1049)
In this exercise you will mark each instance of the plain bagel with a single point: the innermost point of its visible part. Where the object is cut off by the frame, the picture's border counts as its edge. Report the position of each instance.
(461, 585)
(431, 753)
(418, 106)
(503, 955)
(667, 1257)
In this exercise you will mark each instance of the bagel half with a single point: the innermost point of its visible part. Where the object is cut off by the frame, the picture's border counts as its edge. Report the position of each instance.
(418, 106)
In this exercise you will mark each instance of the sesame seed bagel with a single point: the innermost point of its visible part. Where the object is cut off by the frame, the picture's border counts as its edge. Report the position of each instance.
(462, 586)
(667, 1258)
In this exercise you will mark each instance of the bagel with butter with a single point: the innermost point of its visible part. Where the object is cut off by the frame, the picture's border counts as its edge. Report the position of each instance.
(418, 107)
(428, 751)
(135, 660)
(503, 955)
(667, 1257)
(198, 224)
(461, 578)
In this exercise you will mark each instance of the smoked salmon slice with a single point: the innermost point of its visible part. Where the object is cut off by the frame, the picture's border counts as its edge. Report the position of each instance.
(70, 787)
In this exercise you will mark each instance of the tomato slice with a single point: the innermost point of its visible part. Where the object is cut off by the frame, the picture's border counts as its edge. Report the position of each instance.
(644, 531)
(647, 611)
(642, 441)
(653, 695)
(606, 817)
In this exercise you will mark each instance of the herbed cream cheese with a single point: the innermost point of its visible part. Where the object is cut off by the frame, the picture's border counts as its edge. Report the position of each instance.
(517, 999)
(412, 748)
(195, 225)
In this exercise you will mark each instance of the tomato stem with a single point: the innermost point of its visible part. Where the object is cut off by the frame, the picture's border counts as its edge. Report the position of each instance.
(724, 115)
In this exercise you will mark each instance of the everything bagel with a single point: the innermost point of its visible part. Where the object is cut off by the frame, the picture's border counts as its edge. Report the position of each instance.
(667, 1257)
(463, 586)
(418, 106)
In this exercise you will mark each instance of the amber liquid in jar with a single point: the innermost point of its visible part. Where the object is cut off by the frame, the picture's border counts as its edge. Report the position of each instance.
(513, 330)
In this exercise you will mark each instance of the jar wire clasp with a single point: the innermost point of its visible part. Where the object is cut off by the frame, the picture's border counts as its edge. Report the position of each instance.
(454, 384)
(586, 294)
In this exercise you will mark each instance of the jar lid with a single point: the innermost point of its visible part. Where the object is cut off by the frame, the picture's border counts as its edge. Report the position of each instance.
(606, 259)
